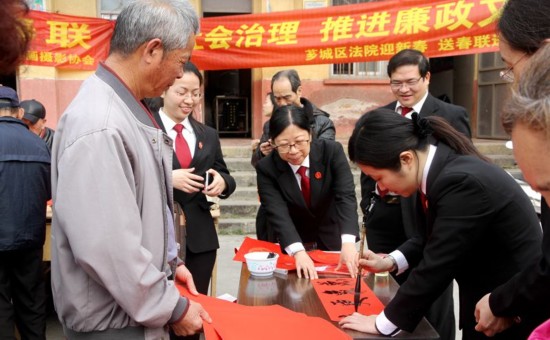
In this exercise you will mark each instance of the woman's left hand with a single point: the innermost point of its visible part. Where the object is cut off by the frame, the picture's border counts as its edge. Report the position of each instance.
(216, 185)
(350, 258)
(360, 322)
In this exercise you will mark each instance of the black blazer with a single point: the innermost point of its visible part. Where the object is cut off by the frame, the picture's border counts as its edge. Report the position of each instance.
(390, 224)
(454, 114)
(200, 229)
(480, 229)
(528, 291)
(333, 204)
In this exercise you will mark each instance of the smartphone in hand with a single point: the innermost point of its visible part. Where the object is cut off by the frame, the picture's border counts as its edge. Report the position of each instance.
(207, 179)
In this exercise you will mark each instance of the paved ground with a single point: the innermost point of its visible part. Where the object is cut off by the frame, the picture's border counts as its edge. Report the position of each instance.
(228, 273)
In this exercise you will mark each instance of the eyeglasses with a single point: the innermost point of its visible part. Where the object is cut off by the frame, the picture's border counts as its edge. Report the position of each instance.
(285, 148)
(188, 95)
(396, 85)
(508, 75)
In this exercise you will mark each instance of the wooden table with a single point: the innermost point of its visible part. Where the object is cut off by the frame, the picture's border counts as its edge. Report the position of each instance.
(299, 295)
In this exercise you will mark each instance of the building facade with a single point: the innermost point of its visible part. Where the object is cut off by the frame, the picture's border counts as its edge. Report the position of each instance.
(344, 90)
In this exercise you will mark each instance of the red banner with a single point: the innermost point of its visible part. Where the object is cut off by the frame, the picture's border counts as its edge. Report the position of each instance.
(69, 42)
(332, 35)
(352, 33)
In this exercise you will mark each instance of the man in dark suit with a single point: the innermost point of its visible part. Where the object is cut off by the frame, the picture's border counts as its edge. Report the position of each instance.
(390, 222)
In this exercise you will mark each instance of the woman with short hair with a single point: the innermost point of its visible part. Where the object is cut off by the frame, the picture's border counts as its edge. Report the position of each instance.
(306, 187)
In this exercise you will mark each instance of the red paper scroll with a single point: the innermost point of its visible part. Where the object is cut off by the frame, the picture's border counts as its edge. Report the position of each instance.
(336, 295)
(233, 321)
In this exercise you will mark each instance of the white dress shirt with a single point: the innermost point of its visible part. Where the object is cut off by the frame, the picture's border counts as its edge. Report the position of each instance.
(187, 132)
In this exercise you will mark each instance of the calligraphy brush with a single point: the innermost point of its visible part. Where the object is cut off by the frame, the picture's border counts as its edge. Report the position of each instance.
(357, 292)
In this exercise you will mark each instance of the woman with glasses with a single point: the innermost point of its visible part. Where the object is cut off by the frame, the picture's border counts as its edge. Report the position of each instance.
(523, 27)
(307, 190)
(197, 152)
(475, 224)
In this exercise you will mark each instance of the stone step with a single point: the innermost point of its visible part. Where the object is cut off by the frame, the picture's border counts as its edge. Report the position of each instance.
(504, 161)
(249, 193)
(239, 151)
(245, 178)
(238, 164)
(235, 209)
(232, 208)
(496, 147)
(237, 225)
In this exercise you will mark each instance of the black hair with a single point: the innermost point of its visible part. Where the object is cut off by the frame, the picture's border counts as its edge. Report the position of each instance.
(292, 77)
(524, 24)
(189, 67)
(409, 57)
(153, 104)
(285, 116)
(381, 135)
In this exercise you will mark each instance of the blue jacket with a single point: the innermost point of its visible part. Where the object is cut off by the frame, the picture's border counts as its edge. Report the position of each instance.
(24, 186)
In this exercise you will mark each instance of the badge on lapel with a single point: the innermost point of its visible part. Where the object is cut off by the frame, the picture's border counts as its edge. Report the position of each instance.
(318, 175)
(200, 145)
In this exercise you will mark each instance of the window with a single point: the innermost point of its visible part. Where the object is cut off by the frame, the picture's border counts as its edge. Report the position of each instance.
(37, 5)
(360, 70)
(109, 9)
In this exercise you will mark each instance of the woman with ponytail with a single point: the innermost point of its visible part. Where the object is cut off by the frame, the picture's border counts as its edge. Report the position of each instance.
(474, 224)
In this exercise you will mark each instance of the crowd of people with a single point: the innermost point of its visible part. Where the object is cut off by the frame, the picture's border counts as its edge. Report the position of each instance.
(436, 210)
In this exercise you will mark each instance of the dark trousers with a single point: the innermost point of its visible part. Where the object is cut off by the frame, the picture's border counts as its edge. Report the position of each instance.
(22, 294)
(201, 266)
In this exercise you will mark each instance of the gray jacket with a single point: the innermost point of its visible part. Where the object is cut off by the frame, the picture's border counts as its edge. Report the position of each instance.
(111, 184)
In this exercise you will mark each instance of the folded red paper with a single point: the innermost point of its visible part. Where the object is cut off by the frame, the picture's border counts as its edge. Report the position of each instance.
(231, 321)
(320, 256)
(250, 245)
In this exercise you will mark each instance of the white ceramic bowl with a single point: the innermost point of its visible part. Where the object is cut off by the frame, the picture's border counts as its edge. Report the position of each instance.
(259, 264)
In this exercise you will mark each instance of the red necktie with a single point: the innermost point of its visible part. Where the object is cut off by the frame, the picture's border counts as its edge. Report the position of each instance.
(182, 148)
(405, 110)
(304, 182)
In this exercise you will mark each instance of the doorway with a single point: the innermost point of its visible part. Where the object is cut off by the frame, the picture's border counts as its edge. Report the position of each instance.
(227, 102)
(227, 98)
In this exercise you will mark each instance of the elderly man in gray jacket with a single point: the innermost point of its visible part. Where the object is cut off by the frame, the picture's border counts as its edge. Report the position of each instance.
(111, 178)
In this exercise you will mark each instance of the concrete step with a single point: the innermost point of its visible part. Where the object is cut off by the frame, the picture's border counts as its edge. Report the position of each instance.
(238, 208)
(504, 161)
(238, 164)
(492, 147)
(245, 178)
(235, 209)
(249, 193)
(237, 225)
(239, 151)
